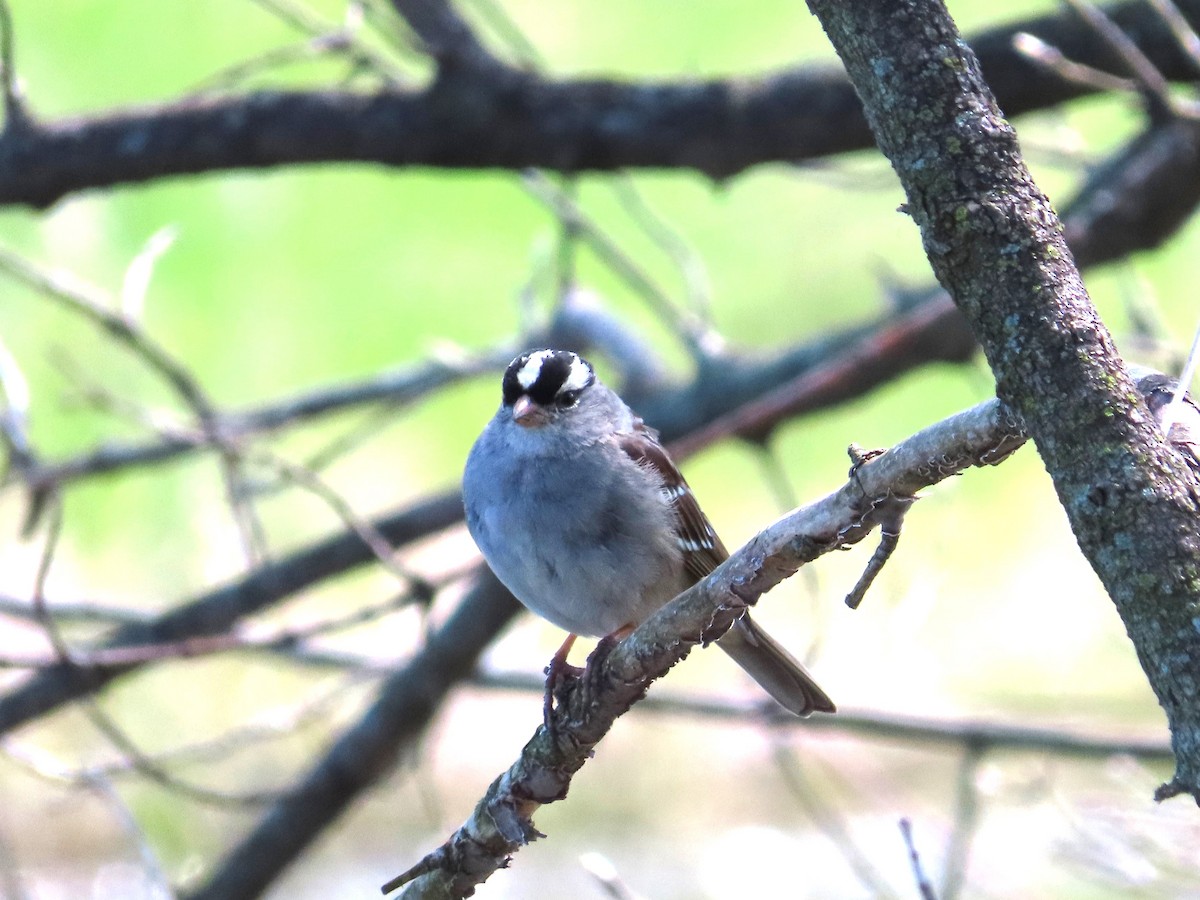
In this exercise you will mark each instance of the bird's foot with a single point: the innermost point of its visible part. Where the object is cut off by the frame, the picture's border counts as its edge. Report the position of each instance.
(559, 674)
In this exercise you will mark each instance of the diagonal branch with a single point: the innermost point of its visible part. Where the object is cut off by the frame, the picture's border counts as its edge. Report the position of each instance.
(616, 678)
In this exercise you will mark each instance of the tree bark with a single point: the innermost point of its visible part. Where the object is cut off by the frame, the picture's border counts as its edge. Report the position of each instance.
(996, 245)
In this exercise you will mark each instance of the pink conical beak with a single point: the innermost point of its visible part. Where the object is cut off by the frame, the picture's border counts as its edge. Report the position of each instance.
(528, 414)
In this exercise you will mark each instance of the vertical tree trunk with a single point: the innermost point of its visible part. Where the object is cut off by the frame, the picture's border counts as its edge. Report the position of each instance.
(996, 245)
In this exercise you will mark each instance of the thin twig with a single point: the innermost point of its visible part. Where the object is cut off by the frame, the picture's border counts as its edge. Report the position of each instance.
(159, 886)
(1155, 87)
(1054, 60)
(697, 285)
(396, 388)
(446, 36)
(966, 821)
(90, 303)
(914, 858)
(908, 729)
(1184, 34)
(15, 116)
(686, 324)
(829, 819)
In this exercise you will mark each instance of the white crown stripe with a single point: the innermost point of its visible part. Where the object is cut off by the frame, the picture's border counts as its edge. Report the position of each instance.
(578, 377)
(529, 372)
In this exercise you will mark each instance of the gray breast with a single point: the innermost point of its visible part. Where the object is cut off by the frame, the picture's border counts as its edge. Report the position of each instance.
(590, 544)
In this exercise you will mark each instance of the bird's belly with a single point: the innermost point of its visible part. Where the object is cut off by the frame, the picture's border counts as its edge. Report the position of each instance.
(609, 564)
(601, 591)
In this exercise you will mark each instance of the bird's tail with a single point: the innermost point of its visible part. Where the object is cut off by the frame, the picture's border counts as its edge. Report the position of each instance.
(780, 674)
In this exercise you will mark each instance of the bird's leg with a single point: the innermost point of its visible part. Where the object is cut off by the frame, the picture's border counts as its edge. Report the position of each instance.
(558, 669)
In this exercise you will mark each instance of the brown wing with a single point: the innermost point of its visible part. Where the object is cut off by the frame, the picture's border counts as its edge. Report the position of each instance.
(702, 549)
(754, 650)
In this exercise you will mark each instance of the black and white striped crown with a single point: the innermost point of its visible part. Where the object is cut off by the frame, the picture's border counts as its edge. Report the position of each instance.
(547, 377)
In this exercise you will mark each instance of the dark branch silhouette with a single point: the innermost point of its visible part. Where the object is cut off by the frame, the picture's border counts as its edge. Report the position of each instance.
(489, 115)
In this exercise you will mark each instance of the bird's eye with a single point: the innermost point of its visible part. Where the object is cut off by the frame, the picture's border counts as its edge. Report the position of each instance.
(566, 399)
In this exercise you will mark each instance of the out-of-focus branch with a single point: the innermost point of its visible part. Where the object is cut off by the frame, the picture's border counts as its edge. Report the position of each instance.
(368, 750)
(216, 611)
(395, 388)
(924, 886)
(897, 727)
(446, 35)
(1140, 197)
(617, 677)
(1135, 201)
(804, 378)
(496, 116)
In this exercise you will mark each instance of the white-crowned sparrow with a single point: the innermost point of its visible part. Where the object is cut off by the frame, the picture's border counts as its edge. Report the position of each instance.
(581, 513)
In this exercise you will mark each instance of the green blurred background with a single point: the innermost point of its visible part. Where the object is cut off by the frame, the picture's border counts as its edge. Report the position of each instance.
(280, 282)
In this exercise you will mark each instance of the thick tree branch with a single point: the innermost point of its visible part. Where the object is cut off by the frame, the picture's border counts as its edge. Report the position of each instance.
(996, 245)
(617, 677)
(488, 115)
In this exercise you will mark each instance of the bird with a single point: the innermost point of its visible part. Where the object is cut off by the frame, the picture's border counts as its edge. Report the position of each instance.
(1183, 431)
(581, 513)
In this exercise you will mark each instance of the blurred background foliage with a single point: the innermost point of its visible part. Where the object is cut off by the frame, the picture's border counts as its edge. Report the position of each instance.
(279, 282)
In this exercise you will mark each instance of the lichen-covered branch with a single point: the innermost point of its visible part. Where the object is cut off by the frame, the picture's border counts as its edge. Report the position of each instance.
(995, 243)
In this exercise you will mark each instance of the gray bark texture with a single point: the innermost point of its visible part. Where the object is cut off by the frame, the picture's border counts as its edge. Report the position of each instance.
(997, 247)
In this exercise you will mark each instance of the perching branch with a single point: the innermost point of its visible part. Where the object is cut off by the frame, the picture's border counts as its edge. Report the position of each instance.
(617, 677)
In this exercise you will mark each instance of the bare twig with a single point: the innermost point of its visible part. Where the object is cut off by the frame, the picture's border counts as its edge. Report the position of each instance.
(966, 822)
(830, 821)
(446, 35)
(690, 327)
(396, 389)
(1185, 34)
(102, 721)
(86, 301)
(891, 727)
(15, 116)
(1053, 60)
(14, 412)
(325, 40)
(1155, 86)
(136, 760)
(41, 612)
(213, 613)
(890, 513)
(690, 264)
(368, 750)
(159, 885)
(923, 884)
